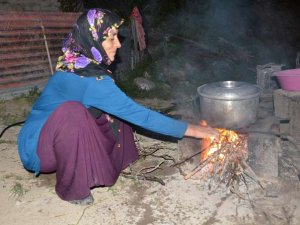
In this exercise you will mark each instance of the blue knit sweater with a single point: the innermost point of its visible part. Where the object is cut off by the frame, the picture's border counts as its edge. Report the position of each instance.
(90, 91)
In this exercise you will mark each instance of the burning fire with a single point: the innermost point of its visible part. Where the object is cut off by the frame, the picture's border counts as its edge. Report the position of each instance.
(209, 146)
(224, 162)
(222, 158)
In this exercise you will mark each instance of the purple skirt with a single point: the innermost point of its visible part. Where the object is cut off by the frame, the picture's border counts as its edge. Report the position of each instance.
(83, 151)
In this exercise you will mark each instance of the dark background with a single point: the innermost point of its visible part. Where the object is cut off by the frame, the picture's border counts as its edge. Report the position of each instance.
(209, 40)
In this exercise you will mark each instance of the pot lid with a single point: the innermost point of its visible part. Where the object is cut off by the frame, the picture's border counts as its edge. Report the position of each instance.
(229, 90)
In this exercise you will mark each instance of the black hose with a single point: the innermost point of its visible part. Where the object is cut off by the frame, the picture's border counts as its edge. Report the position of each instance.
(12, 125)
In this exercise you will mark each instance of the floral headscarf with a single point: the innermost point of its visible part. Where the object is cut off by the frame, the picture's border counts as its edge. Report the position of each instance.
(83, 51)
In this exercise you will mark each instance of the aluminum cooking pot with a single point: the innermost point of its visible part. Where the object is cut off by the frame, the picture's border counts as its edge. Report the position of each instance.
(229, 104)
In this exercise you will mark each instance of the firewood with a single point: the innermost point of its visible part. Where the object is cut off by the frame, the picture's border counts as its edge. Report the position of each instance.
(225, 165)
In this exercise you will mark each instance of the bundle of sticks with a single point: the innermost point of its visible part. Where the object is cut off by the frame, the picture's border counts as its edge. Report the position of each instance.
(224, 162)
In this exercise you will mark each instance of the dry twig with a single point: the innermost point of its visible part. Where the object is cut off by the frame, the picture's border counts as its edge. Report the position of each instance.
(144, 173)
(226, 165)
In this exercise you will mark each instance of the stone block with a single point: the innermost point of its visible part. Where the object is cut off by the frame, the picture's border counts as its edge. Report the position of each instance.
(287, 106)
(294, 128)
(265, 76)
(281, 104)
(264, 152)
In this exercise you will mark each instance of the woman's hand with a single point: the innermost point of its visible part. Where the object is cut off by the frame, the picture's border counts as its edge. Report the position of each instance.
(200, 131)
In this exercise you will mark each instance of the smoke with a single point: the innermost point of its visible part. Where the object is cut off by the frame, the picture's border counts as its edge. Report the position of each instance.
(228, 18)
(212, 40)
(231, 37)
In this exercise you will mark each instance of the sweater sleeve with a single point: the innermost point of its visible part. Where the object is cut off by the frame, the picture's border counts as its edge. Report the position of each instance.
(105, 95)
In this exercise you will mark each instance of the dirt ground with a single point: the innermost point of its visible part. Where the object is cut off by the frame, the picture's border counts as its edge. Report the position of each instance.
(29, 200)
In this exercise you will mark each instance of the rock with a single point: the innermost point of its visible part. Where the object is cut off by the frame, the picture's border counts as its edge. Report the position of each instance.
(144, 84)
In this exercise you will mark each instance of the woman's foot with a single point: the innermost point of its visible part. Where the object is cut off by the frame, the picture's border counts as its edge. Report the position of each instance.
(86, 201)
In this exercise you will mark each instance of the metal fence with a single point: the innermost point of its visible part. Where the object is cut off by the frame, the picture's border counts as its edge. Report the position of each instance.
(30, 43)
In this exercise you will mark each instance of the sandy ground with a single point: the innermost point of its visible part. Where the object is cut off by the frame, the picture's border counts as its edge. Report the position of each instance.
(26, 199)
(29, 200)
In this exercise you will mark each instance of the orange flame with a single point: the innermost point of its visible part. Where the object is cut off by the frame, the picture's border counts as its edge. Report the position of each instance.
(210, 146)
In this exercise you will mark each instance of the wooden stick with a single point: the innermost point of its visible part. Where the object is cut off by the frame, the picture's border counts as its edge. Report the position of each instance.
(200, 166)
(47, 48)
(141, 177)
(253, 175)
(151, 169)
(188, 158)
